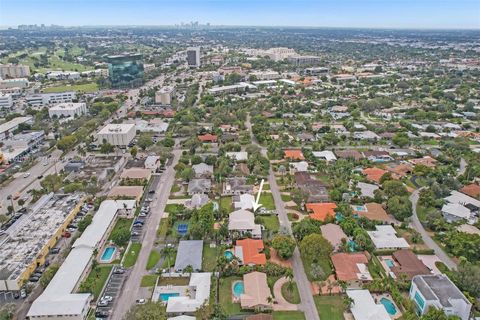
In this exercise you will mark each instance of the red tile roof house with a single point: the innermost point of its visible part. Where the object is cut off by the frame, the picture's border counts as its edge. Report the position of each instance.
(321, 211)
(294, 155)
(249, 252)
(374, 174)
(208, 138)
(352, 267)
(472, 190)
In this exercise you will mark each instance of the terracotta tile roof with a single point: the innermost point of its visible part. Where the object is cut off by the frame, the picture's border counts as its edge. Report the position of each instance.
(251, 251)
(208, 138)
(256, 291)
(346, 265)
(472, 190)
(321, 211)
(294, 155)
(408, 264)
(426, 161)
(333, 233)
(401, 170)
(374, 174)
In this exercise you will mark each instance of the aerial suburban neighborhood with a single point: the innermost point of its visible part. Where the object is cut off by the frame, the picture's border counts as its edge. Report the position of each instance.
(213, 172)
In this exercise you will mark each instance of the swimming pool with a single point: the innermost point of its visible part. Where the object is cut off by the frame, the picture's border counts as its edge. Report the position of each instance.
(229, 255)
(238, 289)
(360, 208)
(389, 262)
(389, 306)
(165, 296)
(108, 254)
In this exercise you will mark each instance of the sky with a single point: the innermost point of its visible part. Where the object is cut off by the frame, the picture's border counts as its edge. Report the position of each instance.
(404, 14)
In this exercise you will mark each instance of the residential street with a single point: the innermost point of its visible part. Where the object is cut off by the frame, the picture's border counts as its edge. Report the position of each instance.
(307, 304)
(132, 284)
(417, 225)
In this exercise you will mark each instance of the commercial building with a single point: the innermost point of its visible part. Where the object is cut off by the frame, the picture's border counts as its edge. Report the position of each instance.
(31, 237)
(63, 75)
(316, 71)
(14, 83)
(44, 99)
(7, 128)
(117, 134)
(193, 57)
(9, 71)
(6, 101)
(20, 145)
(440, 292)
(67, 110)
(125, 71)
(303, 60)
(60, 300)
(164, 95)
(265, 75)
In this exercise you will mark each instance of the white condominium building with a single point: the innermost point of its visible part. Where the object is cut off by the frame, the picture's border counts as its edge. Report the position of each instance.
(67, 110)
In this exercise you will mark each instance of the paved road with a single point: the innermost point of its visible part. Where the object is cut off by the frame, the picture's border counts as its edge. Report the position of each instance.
(463, 167)
(132, 285)
(308, 304)
(417, 225)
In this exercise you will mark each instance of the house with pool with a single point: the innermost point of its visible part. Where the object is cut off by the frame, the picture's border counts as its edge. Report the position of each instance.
(440, 292)
(249, 252)
(364, 307)
(243, 222)
(185, 300)
(385, 237)
(352, 268)
(253, 292)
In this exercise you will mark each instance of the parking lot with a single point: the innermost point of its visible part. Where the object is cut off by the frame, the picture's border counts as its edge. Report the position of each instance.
(112, 289)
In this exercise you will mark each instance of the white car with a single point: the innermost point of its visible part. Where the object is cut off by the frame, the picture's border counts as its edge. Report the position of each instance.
(107, 298)
(26, 174)
(140, 301)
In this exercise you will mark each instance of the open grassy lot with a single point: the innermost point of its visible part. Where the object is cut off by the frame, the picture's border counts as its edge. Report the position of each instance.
(292, 295)
(266, 199)
(271, 222)
(330, 307)
(209, 257)
(121, 223)
(286, 198)
(226, 203)
(153, 259)
(323, 262)
(173, 208)
(226, 296)
(86, 87)
(149, 280)
(96, 280)
(163, 228)
(132, 255)
(288, 315)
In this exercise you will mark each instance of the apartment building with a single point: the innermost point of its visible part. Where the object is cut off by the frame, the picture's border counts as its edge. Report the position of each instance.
(10, 71)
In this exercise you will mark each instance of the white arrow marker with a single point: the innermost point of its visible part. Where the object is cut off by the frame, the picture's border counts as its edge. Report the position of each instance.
(255, 204)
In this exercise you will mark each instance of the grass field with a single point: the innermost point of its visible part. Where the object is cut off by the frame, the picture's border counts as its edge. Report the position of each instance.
(163, 228)
(226, 296)
(86, 87)
(324, 263)
(271, 222)
(132, 255)
(209, 257)
(96, 280)
(330, 307)
(149, 280)
(153, 259)
(291, 296)
(173, 208)
(266, 199)
(121, 223)
(226, 204)
(288, 315)
(286, 198)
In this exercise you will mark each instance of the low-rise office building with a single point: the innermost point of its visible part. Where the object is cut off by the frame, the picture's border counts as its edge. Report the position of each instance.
(164, 95)
(14, 83)
(67, 110)
(20, 145)
(117, 134)
(6, 101)
(7, 128)
(303, 60)
(14, 71)
(44, 99)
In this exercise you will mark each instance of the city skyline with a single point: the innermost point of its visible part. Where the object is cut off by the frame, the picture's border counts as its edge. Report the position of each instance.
(396, 14)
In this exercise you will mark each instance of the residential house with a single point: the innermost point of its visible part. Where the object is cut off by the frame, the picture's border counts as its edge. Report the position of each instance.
(315, 189)
(472, 190)
(366, 135)
(371, 211)
(374, 174)
(202, 170)
(243, 222)
(377, 156)
(367, 190)
(197, 201)
(334, 234)
(351, 268)
(249, 252)
(256, 292)
(197, 186)
(426, 161)
(407, 264)
(440, 292)
(243, 201)
(349, 154)
(365, 308)
(238, 156)
(208, 138)
(198, 295)
(385, 237)
(294, 155)
(236, 186)
(301, 166)
(326, 155)
(189, 253)
(452, 210)
(321, 211)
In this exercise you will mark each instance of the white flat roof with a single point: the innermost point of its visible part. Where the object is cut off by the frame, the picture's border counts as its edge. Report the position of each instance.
(365, 308)
(201, 282)
(67, 106)
(13, 123)
(385, 237)
(112, 128)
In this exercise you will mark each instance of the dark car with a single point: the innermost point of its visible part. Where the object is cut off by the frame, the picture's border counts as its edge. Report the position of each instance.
(101, 314)
(55, 250)
(40, 176)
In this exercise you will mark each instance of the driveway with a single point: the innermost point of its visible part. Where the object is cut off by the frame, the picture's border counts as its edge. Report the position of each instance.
(282, 304)
(132, 286)
(417, 225)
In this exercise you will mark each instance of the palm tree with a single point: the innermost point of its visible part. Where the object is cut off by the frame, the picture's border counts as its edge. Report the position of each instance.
(347, 301)
(167, 253)
(188, 269)
(270, 299)
(342, 285)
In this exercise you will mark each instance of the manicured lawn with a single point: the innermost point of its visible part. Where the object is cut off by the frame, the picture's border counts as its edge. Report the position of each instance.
(173, 208)
(122, 223)
(288, 315)
(86, 87)
(286, 197)
(226, 296)
(209, 257)
(149, 280)
(163, 228)
(177, 281)
(153, 259)
(271, 222)
(132, 255)
(226, 204)
(175, 188)
(292, 295)
(323, 262)
(329, 307)
(96, 280)
(266, 199)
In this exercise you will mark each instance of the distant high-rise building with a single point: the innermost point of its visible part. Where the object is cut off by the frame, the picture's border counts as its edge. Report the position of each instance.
(10, 71)
(125, 71)
(193, 57)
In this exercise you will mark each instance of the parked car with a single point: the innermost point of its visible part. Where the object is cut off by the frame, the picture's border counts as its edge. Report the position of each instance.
(140, 301)
(119, 271)
(107, 298)
(34, 279)
(55, 250)
(102, 314)
(23, 293)
(102, 303)
(40, 176)
(26, 174)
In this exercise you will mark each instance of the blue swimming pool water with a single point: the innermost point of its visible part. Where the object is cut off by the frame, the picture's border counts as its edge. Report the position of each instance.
(389, 306)
(108, 254)
(360, 208)
(238, 289)
(389, 263)
(166, 296)
(228, 255)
